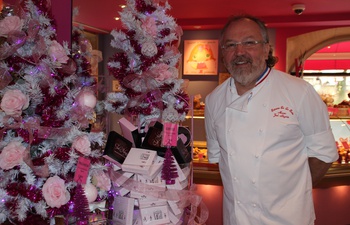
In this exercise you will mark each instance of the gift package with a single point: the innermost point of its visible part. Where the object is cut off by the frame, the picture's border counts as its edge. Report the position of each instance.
(148, 180)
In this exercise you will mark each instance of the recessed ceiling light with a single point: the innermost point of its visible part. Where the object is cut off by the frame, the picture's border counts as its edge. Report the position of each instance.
(116, 18)
(122, 6)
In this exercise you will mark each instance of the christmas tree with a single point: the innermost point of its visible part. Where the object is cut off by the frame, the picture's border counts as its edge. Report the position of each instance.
(47, 104)
(145, 64)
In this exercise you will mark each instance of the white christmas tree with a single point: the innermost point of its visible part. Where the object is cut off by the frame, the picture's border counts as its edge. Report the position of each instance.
(145, 64)
(47, 104)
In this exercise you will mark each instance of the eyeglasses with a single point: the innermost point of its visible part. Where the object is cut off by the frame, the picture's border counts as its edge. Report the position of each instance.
(231, 46)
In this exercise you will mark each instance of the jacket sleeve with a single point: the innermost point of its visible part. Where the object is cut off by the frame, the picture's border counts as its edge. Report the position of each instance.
(212, 143)
(314, 122)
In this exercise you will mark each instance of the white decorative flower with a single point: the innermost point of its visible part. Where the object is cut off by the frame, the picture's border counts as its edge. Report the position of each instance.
(170, 114)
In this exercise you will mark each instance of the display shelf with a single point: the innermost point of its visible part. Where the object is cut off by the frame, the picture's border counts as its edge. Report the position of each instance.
(338, 174)
(339, 117)
(208, 173)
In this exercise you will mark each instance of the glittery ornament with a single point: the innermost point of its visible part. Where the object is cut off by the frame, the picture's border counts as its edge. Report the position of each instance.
(149, 49)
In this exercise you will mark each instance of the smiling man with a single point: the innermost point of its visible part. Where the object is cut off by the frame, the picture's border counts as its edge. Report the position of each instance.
(269, 132)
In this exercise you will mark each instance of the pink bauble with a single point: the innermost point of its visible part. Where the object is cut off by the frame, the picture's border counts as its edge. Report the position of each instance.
(90, 192)
(87, 98)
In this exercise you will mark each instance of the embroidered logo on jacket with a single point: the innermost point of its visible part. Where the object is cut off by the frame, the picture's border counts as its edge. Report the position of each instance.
(282, 112)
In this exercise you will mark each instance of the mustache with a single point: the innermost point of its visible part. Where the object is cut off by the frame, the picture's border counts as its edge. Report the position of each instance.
(242, 59)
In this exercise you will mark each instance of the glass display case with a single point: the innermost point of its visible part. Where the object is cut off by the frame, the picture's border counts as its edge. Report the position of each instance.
(333, 89)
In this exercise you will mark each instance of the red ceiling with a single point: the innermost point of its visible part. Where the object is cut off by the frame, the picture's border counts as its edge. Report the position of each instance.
(338, 47)
(212, 14)
(98, 16)
(342, 64)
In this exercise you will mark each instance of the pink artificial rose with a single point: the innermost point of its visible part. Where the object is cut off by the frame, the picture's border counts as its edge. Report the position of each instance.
(13, 102)
(82, 145)
(57, 53)
(149, 25)
(10, 24)
(11, 155)
(101, 180)
(161, 72)
(55, 193)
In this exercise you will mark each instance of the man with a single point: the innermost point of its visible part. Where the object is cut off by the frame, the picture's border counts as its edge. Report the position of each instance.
(269, 132)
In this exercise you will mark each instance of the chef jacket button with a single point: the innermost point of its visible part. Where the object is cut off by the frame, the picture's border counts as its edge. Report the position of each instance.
(235, 178)
(253, 181)
(254, 205)
(260, 130)
(256, 156)
(238, 202)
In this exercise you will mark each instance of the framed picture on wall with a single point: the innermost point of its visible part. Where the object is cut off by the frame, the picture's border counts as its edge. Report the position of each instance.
(200, 57)
(223, 77)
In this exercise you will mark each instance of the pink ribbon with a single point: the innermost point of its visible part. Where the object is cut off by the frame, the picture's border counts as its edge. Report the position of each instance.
(5, 78)
(16, 40)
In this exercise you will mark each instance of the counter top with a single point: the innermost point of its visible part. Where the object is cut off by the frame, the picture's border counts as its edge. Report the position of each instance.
(208, 173)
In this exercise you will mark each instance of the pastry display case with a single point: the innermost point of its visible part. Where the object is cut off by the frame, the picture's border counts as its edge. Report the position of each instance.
(334, 89)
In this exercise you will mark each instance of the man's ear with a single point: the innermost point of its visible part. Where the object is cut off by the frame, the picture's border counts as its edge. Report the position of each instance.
(267, 48)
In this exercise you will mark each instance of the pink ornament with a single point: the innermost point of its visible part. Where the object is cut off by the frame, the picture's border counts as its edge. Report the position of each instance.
(87, 98)
(90, 192)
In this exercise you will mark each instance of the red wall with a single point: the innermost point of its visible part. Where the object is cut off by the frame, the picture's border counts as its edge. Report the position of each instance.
(62, 12)
(282, 34)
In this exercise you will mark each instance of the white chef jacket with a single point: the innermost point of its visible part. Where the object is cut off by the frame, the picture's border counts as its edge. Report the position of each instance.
(262, 141)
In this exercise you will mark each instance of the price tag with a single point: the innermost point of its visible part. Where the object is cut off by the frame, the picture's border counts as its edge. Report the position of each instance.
(82, 171)
(170, 134)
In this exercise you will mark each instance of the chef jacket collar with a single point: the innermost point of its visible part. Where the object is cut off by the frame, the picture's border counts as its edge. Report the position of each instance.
(241, 102)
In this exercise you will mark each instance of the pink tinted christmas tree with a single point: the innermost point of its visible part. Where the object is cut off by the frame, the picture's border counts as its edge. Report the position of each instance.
(145, 64)
(47, 103)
